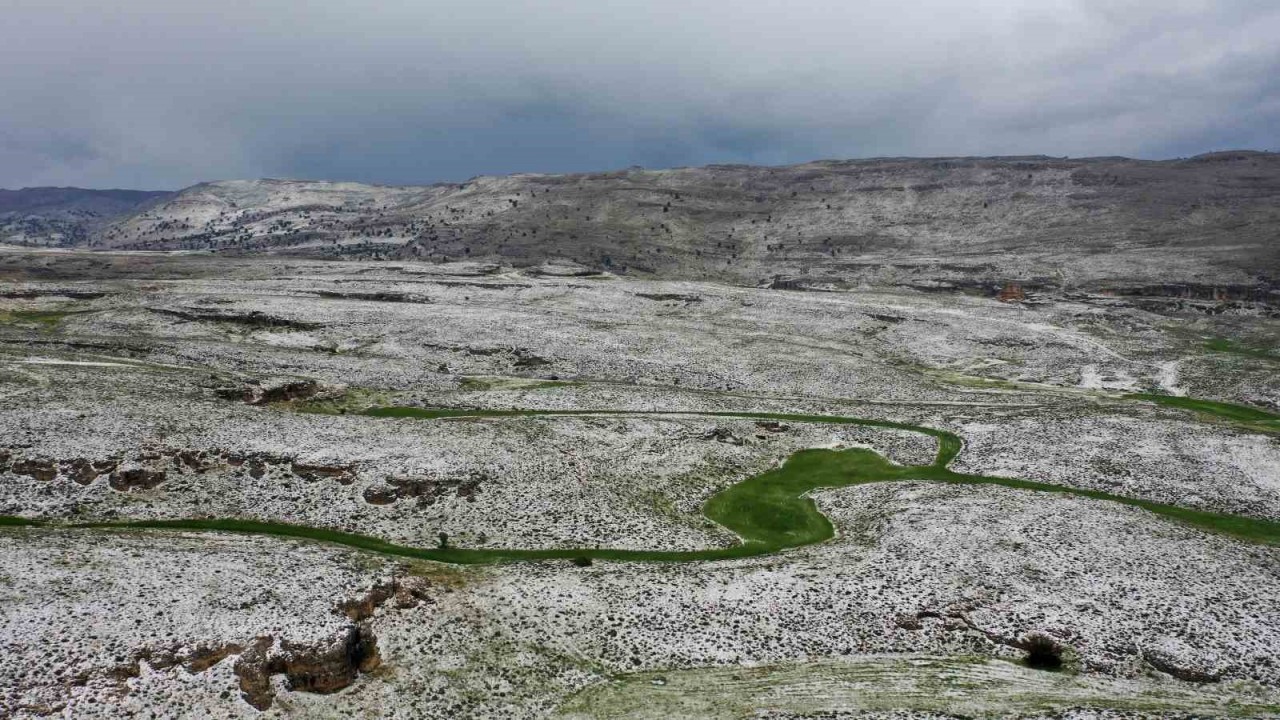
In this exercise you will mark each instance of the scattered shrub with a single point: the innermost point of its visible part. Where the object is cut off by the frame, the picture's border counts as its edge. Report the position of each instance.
(1043, 652)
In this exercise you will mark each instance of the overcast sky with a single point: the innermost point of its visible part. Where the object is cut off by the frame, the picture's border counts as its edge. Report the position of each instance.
(166, 93)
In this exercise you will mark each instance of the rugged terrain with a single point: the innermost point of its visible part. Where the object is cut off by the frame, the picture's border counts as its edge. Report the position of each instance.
(54, 216)
(1116, 557)
(1198, 228)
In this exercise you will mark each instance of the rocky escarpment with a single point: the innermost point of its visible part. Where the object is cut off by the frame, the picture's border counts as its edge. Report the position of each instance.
(381, 296)
(425, 490)
(324, 666)
(332, 666)
(138, 471)
(259, 392)
(149, 467)
(252, 318)
(33, 293)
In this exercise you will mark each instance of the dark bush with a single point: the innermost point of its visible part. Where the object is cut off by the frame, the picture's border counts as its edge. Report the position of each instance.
(581, 561)
(1043, 652)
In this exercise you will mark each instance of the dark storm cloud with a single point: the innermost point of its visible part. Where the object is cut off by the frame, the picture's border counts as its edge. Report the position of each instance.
(143, 93)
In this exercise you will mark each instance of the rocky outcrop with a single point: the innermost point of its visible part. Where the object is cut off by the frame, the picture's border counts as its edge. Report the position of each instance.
(329, 666)
(519, 357)
(383, 296)
(1011, 292)
(723, 435)
(259, 465)
(197, 460)
(326, 666)
(1259, 300)
(425, 490)
(342, 473)
(562, 268)
(203, 657)
(51, 292)
(148, 467)
(525, 359)
(252, 318)
(38, 468)
(130, 478)
(258, 393)
(299, 390)
(780, 282)
(320, 668)
(670, 297)
(406, 591)
(375, 495)
(1261, 293)
(79, 470)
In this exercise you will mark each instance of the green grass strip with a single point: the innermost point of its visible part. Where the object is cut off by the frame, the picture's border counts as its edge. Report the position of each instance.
(769, 512)
(1223, 345)
(1249, 417)
(47, 319)
(14, 521)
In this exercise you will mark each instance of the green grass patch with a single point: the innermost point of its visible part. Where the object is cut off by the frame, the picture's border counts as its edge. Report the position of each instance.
(1241, 415)
(44, 319)
(14, 521)
(1225, 345)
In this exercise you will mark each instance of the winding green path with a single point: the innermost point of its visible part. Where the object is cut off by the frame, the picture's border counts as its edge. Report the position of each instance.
(770, 512)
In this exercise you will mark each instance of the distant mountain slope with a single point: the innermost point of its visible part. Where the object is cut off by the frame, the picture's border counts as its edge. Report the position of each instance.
(1209, 220)
(63, 215)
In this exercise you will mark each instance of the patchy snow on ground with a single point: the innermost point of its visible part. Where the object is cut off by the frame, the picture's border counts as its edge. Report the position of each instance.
(238, 393)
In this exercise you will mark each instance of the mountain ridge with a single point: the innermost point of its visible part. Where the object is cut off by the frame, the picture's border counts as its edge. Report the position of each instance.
(65, 216)
(1209, 219)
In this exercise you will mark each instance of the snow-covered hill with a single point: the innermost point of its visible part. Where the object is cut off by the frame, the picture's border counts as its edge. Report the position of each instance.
(64, 215)
(1202, 224)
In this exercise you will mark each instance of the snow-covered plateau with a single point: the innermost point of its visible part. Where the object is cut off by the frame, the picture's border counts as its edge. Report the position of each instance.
(175, 387)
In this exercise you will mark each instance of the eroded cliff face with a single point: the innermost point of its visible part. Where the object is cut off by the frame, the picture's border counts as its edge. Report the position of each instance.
(149, 467)
(315, 667)
(321, 666)
(324, 668)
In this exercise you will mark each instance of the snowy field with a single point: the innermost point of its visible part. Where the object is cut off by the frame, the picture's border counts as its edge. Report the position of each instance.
(237, 391)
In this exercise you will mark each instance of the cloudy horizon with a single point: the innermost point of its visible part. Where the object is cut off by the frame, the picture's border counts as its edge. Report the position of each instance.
(148, 95)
